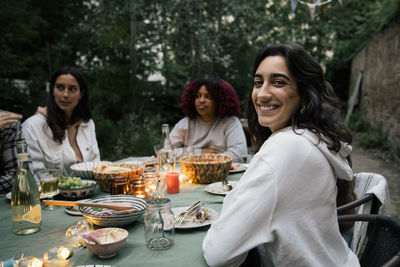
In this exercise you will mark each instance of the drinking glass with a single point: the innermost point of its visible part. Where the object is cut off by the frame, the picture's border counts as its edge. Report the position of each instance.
(49, 179)
(165, 159)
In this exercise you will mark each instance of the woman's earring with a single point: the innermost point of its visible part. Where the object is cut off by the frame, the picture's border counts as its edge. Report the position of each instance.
(303, 108)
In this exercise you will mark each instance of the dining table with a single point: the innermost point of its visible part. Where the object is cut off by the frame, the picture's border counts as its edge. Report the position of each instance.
(185, 251)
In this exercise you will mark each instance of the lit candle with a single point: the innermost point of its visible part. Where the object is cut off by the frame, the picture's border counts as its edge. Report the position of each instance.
(172, 182)
(64, 253)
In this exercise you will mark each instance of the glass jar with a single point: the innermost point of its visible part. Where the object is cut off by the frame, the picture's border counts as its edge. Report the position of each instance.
(159, 223)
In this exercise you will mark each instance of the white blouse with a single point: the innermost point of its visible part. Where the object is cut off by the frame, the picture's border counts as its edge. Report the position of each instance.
(46, 153)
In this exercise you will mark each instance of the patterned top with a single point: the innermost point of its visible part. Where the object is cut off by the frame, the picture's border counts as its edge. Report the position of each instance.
(9, 135)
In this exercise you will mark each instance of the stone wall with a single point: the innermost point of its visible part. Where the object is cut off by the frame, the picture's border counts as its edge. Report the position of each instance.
(379, 98)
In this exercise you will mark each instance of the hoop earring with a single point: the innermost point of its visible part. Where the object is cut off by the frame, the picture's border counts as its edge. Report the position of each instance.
(303, 109)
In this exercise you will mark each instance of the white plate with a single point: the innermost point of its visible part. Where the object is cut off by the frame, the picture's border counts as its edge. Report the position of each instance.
(188, 223)
(238, 167)
(218, 189)
(73, 211)
(42, 196)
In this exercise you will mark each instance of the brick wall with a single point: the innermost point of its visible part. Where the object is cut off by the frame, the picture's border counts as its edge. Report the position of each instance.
(379, 98)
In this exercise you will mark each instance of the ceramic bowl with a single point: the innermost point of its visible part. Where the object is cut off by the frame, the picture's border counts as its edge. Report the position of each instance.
(205, 168)
(108, 218)
(79, 192)
(104, 178)
(111, 241)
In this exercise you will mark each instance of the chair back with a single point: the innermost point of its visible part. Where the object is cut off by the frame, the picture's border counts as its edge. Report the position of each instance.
(383, 240)
(369, 184)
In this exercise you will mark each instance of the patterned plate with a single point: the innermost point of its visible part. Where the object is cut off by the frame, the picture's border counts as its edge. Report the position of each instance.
(106, 217)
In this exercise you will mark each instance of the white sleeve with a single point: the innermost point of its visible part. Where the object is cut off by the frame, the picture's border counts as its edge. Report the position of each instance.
(245, 221)
(34, 151)
(178, 135)
(235, 139)
(96, 150)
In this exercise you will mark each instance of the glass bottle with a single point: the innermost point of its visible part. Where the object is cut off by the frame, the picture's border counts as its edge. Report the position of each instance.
(159, 223)
(166, 157)
(25, 200)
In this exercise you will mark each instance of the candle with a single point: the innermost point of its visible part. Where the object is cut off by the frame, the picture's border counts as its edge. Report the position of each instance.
(172, 182)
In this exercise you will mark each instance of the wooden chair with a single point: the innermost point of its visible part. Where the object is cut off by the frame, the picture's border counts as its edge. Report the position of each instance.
(382, 247)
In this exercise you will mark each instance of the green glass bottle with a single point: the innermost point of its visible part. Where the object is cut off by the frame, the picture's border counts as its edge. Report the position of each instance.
(25, 200)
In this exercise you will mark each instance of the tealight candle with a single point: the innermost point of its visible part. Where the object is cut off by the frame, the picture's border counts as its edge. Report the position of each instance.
(64, 253)
(172, 182)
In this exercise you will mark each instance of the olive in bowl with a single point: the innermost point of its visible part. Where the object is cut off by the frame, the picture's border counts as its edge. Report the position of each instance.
(75, 188)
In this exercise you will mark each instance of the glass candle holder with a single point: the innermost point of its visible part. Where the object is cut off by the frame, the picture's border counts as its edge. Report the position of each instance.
(172, 182)
(138, 188)
(119, 185)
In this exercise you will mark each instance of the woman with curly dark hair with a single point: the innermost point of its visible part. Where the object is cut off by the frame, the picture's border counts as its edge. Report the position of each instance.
(284, 206)
(63, 132)
(212, 123)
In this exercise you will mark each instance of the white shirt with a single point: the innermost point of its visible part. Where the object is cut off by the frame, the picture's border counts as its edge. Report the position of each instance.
(46, 153)
(224, 134)
(285, 205)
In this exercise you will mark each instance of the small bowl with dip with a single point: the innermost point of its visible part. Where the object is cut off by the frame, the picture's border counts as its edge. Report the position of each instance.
(105, 242)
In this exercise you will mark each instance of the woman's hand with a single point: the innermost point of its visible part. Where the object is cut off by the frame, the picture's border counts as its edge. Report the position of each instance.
(210, 151)
(7, 118)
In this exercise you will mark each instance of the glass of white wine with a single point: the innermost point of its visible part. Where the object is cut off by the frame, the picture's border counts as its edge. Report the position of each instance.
(49, 179)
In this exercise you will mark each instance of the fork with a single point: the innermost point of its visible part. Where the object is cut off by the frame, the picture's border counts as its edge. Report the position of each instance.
(179, 219)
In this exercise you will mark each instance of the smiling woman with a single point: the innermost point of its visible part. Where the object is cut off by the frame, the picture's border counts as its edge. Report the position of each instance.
(211, 124)
(63, 132)
(289, 191)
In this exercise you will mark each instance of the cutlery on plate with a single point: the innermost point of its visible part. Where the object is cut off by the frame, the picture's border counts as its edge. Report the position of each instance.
(181, 217)
(113, 206)
(226, 186)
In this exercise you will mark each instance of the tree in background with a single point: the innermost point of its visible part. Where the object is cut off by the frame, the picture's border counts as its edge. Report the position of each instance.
(138, 55)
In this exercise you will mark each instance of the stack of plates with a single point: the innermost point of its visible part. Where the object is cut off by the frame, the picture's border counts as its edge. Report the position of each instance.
(85, 169)
(106, 218)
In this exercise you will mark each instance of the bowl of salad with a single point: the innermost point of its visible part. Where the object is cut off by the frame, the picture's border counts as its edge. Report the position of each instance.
(75, 188)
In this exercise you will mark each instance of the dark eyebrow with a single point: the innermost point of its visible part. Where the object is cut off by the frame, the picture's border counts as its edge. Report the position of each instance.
(275, 75)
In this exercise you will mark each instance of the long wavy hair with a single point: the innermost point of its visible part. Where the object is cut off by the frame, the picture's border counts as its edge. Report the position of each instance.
(321, 113)
(56, 118)
(225, 97)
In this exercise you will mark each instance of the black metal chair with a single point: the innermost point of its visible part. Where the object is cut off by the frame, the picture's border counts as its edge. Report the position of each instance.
(357, 203)
(382, 247)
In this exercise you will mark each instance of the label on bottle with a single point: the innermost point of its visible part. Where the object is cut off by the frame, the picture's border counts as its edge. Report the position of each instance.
(34, 215)
(22, 157)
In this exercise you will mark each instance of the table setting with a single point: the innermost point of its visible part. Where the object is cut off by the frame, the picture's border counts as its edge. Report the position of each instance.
(155, 201)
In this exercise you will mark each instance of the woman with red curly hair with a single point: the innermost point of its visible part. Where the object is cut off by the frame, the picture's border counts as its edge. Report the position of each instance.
(211, 124)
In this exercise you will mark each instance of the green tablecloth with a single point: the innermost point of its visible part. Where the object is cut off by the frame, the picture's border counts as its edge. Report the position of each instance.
(186, 251)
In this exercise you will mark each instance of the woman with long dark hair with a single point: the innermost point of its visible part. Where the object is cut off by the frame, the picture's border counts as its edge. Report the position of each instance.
(284, 205)
(63, 132)
(211, 124)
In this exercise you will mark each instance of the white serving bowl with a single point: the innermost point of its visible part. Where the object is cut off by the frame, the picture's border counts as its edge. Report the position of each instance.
(85, 169)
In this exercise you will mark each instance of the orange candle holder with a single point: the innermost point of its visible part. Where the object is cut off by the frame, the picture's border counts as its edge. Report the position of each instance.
(172, 182)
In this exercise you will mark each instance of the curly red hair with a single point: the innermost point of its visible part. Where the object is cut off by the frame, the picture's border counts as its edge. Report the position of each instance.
(225, 97)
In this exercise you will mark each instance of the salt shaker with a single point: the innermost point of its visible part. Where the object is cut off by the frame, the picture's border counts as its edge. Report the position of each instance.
(159, 223)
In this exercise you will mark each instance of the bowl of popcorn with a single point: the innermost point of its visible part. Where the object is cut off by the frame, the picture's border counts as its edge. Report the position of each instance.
(104, 173)
(205, 168)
